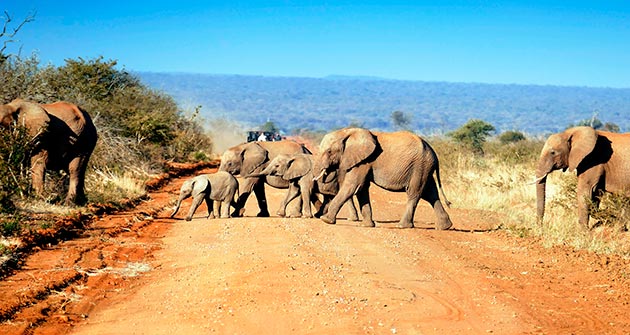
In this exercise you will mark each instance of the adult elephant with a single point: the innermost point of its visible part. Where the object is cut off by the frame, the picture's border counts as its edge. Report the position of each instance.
(251, 158)
(399, 161)
(63, 138)
(601, 159)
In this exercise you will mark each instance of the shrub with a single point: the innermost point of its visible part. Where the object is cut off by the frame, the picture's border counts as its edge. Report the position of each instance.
(511, 136)
(613, 210)
(14, 161)
(473, 134)
(139, 128)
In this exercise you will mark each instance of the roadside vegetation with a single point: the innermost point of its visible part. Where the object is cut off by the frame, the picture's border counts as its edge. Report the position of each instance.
(140, 131)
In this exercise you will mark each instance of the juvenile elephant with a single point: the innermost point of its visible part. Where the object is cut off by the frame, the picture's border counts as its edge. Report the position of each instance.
(601, 159)
(399, 161)
(63, 139)
(250, 158)
(220, 187)
(298, 170)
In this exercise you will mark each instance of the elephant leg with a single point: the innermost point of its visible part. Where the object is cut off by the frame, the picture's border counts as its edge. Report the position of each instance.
(350, 185)
(363, 197)
(246, 188)
(430, 194)
(224, 209)
(76, 188)
(197, 200)
(406, 221)
(210, 205)
(306, 203)
(330, 216)
(324, 207)
(585, 192)
(38, 173)
(259, 190)
(292, 193)
(353, 216)
(74, 169)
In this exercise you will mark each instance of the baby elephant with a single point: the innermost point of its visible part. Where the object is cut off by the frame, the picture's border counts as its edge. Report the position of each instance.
(220, 186)
(298, 170)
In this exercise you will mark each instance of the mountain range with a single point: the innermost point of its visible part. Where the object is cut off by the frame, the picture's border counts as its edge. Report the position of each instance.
(322, 104)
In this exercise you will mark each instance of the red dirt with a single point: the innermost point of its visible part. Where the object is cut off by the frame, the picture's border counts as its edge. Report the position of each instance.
(140, 272)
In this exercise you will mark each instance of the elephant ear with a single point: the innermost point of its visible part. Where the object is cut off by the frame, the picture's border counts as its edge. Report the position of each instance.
(358, 146)
(297, 167)
(253, 157)
(582, 141)
(30, 115)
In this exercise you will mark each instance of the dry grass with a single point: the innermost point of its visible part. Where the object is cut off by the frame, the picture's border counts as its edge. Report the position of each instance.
(107, 186)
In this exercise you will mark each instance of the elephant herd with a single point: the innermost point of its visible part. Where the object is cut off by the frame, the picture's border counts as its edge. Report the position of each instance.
(63, 137)
(349, 161)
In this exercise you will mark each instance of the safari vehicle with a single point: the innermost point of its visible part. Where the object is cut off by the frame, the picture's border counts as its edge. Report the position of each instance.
(255, 135)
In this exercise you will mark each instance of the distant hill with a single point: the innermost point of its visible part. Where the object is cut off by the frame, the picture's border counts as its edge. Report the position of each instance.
(434, 107)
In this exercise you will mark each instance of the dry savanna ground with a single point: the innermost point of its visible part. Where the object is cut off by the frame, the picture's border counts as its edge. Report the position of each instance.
(139, 272)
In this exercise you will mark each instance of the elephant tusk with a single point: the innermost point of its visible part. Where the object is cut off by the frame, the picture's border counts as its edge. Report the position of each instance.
(537, 180)
(320, 175)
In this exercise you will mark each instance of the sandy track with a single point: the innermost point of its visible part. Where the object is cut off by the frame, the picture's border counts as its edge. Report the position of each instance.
(279, 275)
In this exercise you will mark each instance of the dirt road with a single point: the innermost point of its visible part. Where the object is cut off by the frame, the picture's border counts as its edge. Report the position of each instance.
(141, 273)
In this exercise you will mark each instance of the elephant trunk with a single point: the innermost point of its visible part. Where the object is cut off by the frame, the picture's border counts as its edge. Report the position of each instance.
(545, 166)
(540, 198)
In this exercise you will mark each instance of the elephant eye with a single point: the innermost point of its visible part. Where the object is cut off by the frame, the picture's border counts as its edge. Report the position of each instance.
(553, 152)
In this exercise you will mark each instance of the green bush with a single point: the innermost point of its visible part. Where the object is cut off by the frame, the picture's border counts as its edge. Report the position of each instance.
(511, 136)
(473, 134)
(139, 128)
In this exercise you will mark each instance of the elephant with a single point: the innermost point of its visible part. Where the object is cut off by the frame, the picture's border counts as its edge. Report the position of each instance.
(298, 170)
(249, 158)
(397, 161)
(220, 187)
(63, 138)
(601, 159)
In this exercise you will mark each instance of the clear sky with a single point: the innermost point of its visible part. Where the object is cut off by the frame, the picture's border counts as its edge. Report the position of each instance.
(581, 43)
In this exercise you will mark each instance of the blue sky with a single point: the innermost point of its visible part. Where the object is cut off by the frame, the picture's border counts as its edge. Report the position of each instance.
(576, 43)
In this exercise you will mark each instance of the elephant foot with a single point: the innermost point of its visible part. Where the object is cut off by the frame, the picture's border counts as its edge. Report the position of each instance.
(405, 225)
(369, 224)
(307, 216)
(444, 225)
(188, 218)
(211, 216)
(328, 220)
(354, 218)
(263, 215)
(238, 213)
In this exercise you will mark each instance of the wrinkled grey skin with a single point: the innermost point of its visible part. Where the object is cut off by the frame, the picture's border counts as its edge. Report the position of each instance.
(298, 170)
(247, 160)
(63, 138)
(220, 187)
(601, 160)
(399, 162)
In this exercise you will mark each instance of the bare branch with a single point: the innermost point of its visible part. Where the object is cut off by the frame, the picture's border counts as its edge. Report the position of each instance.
(8, 33)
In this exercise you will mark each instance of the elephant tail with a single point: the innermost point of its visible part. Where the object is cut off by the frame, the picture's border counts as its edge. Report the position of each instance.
(439, 182)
